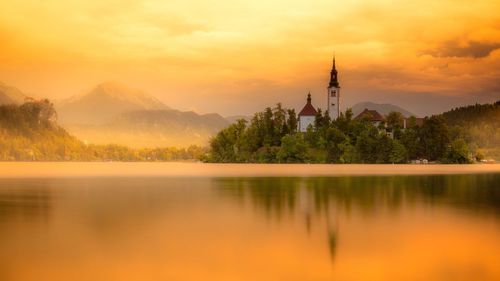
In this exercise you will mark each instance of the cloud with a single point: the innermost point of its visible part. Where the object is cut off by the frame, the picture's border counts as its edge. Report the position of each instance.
(472, 49)
(239, 56)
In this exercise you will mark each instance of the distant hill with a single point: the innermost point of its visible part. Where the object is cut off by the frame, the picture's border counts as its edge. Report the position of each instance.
(114, 113)
(11, 95)
(153, 128)
(383, 109)
(30, 132)
(104, 103)
(481, 124)
(474, 114)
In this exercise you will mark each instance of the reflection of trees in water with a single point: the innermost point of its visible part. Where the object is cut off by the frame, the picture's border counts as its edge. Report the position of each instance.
(278, 196)
(324, 197)
(25, 200)
(108, 206)
(112, 206)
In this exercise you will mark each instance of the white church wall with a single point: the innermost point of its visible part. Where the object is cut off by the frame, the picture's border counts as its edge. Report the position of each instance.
(305, 121)
(333, 103)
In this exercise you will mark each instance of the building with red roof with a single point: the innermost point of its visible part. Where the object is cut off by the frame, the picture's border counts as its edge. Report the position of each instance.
(372, 115)
(307, 115)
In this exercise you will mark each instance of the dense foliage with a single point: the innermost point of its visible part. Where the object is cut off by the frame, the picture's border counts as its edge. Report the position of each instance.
(479, 125)
(272, 137)
(30, 133)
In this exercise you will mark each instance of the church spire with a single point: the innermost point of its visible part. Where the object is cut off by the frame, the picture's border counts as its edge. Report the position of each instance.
(333, 96)
(334, 82)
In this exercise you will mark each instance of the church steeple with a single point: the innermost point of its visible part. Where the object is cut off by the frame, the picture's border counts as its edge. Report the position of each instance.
(334, 82)
(333, 94)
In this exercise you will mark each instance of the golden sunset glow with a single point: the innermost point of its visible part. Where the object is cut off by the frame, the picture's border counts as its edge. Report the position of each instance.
(236, 57)
(165, 228)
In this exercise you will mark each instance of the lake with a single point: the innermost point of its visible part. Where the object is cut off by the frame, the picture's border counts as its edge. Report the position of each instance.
(204, 226)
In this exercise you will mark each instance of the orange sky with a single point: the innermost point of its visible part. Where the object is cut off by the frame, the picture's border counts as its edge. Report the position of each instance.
(236, 57)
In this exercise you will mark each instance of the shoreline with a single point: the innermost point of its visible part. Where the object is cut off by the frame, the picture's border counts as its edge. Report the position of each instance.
(190, 169)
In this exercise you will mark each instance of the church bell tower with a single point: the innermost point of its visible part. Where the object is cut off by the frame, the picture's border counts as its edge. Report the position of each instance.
(333, 93)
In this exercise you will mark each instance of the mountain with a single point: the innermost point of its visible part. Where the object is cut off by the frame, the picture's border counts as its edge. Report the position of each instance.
(104, 103)
(153, 128)
(10, 95)
(383, 109)
(25, 136)
(171, 120)
(114, 113)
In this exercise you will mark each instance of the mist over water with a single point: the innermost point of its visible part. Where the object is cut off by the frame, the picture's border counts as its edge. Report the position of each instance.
(245, 228)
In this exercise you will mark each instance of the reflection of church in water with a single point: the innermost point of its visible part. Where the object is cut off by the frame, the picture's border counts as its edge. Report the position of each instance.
(308, 113)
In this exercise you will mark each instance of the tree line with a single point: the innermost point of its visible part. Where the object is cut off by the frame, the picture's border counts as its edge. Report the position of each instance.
(271, 136)
(30, 132)
(480, 126)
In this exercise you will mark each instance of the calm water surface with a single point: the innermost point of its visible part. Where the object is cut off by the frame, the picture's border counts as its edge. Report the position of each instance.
(316, 228)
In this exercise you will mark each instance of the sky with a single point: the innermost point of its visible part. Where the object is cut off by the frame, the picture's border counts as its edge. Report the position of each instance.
(237, 57)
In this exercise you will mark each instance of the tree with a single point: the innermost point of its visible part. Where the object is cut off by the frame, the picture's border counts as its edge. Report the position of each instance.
(292, 122)
(410, 140)
(319, 120)
(457, 152)
(334, 138)
(395, 123)
(383, 149)
(327, 120)
(293, 149)
(268, 126)
(226, 145)
(272, 136)
(343, 122)
(279, 124)
(398, 153)
(434, 138)
(266, 154)
(395, 119)
(311, 137)
(367, 145)
(349, 153)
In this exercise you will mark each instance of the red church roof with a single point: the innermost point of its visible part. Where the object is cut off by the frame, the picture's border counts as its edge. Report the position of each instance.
(372, 114)
(308, 109)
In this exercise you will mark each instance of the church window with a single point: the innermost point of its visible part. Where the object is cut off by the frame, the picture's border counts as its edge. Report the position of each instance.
(333, 104)
(333, 93)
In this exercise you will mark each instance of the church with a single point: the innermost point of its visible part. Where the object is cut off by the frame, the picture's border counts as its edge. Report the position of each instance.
(308, 113)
